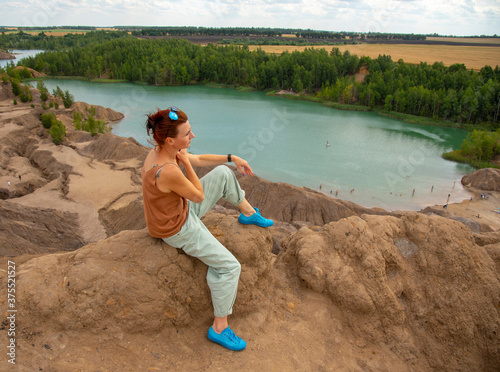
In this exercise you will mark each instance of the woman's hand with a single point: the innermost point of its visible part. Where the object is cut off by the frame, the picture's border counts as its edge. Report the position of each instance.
(242, 165)
(183, 157)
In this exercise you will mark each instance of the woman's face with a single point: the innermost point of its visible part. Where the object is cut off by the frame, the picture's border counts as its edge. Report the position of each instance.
(184, 136)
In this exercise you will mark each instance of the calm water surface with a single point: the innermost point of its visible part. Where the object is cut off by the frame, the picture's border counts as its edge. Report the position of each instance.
(371, 160)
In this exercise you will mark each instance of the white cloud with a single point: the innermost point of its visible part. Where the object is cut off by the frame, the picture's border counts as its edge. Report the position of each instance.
(405, 16)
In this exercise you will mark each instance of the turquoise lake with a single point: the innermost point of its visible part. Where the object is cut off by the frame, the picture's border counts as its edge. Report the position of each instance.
(371, 160)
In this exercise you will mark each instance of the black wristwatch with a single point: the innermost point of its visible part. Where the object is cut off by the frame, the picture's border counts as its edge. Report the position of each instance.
(229, 158)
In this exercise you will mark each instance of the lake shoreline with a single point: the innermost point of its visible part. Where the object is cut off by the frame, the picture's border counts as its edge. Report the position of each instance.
(262, 135)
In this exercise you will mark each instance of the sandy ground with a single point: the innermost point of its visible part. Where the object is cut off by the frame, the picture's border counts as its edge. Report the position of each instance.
(485, 211)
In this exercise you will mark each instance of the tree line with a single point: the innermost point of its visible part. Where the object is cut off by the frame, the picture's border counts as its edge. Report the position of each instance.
(207, 31)
(269, 32)
(24, 40)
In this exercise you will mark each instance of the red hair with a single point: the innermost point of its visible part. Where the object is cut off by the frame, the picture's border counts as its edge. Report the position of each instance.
(161, 126)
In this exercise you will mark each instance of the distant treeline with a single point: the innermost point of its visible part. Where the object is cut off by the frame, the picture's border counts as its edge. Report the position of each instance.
(269, 32)
(51, 28)
(282, 41)
(23, 40)
(207, 31)
(452, 93)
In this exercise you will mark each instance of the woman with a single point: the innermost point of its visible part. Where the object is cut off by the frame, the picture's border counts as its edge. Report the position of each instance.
(174, 204)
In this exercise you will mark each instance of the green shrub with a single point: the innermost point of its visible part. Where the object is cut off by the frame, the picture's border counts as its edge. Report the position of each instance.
(16, 87)
(48, 119)
(25, 74)
(25, 94)
(68, 99)
(91, 125)
(58, 92)
(481, 145)
(57, 132)
(66, 96)
(13, 73)
(14, 102)
(44, 92)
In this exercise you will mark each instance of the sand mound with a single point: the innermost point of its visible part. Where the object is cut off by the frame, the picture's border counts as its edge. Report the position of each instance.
(419, 283)
(138, 283)
(487, 179)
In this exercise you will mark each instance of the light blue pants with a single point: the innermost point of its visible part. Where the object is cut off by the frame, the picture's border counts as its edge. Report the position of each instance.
(195, 239)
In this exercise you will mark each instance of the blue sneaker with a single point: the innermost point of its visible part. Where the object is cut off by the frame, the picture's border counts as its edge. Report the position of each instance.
(227, 338)
(255, 219)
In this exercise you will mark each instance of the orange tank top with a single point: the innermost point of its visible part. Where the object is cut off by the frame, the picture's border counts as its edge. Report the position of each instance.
(165, 213)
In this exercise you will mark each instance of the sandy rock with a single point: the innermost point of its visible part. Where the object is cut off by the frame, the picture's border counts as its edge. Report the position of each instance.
(5, 55)
(34, 73)
(125, 213)
(418, 283)
(34, 230)
(110, 147)
(494, 252)
(487, 179)
(483, 239)
(137, 283)
(471, 224)
(6, 92)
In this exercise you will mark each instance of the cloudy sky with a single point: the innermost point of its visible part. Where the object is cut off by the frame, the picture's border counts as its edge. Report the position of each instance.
(445, 17)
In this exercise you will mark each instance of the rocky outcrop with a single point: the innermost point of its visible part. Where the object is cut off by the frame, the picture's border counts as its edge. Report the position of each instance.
(33, 73)
(101, 113)
(419, 283)
(5, 55)
(138, 283)
(487, 179)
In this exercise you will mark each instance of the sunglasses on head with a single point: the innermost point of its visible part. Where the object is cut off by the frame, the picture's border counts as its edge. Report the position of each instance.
(172, 114)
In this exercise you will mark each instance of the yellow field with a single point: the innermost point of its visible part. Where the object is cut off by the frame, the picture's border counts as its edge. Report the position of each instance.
(60, 32)
(474, 57)
(489, 40)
